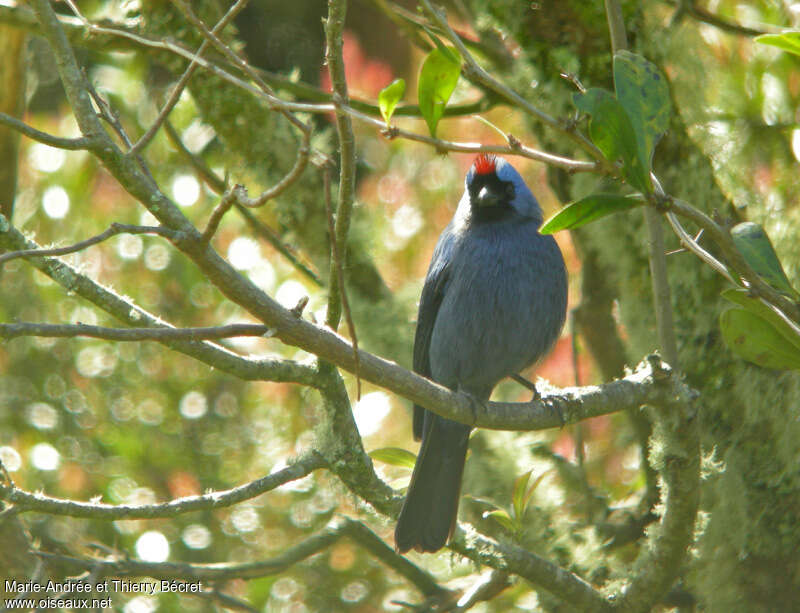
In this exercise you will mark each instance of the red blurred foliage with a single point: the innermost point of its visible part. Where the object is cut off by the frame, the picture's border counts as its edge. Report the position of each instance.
(557, 367)
(182, 483)
(72, 478)
(365, 76)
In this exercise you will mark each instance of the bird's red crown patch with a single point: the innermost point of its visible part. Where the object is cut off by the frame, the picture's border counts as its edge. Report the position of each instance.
(484, 163)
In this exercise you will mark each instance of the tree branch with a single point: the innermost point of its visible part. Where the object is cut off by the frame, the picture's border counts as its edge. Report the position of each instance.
(247, 368)
(132, 334)
(334, 30)
(184, 80)
(338, 528)
(510, 558)
(113, 230)
(26, 501)
(71, 144)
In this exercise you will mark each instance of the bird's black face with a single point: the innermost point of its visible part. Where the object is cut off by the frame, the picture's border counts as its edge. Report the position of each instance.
(490, 197)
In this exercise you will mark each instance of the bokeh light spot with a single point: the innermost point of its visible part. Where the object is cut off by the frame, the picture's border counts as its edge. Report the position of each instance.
(55, 202)
(152, 546)
(10, 458)
(46, 158)
(196, 536)
(185, 190)
(243, 253)
(45, 457)
(370, 411)
(193, 405)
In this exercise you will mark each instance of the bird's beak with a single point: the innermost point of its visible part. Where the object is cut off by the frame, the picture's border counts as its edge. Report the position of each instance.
(486, 197)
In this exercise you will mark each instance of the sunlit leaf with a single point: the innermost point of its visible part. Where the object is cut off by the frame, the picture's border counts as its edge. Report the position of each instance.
(611, 130)
(756, 340)
(788, 41)
(518, 493)
(743, 298)
(389, 97)
(394, 456)
(437, 80)
(501, 517)
(585, 210)
(533, 487)
(642, 91)
(755, 246)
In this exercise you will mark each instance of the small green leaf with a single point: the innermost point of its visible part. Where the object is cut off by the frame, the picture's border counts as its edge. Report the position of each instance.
(394, 456)
(642, 91)
(788, 41)
(389, 97)
(585, 210)
(743, 298)
(533, 487)
(755, 246)
(611, 130)
(501, 517)
(754, 339)
(437, 80)
(518, 494)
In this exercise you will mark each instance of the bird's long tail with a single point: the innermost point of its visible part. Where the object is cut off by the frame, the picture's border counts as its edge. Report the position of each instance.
(429, 512)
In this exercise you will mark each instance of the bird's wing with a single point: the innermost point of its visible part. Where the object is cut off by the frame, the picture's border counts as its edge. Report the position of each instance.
(432, 294)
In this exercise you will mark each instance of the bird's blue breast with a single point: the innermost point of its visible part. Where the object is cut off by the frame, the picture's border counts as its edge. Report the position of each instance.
(503, 306)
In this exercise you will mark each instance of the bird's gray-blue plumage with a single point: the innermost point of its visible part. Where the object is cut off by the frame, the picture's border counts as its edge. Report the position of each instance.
(493, 303)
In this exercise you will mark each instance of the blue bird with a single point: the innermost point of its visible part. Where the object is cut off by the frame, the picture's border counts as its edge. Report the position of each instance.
(493, 303)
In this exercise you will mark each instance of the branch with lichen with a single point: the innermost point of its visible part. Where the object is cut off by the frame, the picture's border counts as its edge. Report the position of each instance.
(24, 501)
(123, 309)
(340, 527)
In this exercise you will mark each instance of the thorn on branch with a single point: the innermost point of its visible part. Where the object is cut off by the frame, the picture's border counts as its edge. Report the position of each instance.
(297, 310)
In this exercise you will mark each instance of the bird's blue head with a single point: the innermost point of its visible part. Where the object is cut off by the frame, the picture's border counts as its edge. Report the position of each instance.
(494, 189)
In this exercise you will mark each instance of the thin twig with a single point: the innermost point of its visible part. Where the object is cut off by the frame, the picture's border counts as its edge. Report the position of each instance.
(337, 265)
(705, 16)
(27, 501)
(489, 585)
(474, 70)
(261, 230)
(238, 194)
(113, 230)
(334, 33)
(662, 301)
(132, 334)
(734, 259)
(70, 144)
(237, 61)
(184, 80)
(211, 179)
(513, 148)
(125, 310)
(316, 543)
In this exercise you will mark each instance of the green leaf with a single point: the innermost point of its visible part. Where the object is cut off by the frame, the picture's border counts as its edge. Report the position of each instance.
(518, 494)
(755, 246)
(743, 298)
(788, 41)
(754, 339)
(611, 130)
(642, 91)
(437, 80)
(389, 97)
(394, 456)
(501, 517)
(533, 487)
(585, 210)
